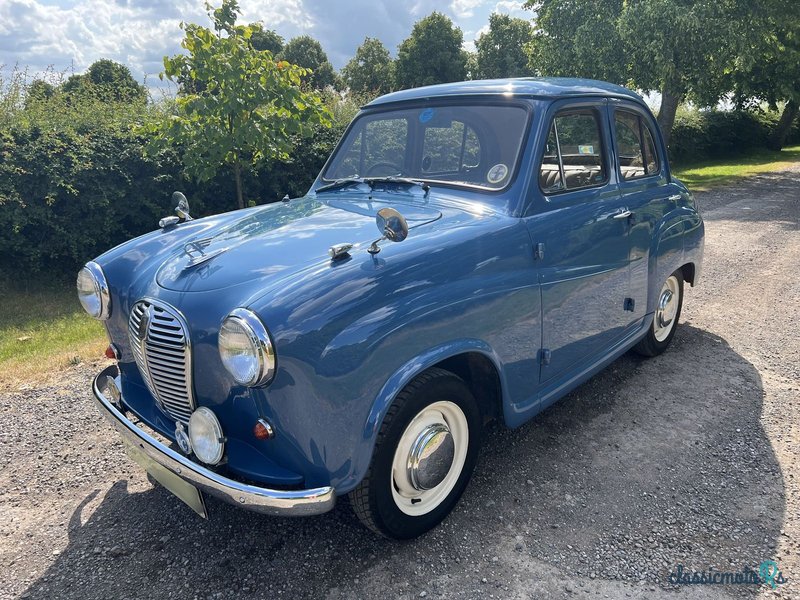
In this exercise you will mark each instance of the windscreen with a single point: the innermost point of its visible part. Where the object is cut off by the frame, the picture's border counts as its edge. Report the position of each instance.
(464, 145)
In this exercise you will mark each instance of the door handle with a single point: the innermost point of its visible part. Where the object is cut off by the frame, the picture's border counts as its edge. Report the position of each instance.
(675, 197)
(623, 214)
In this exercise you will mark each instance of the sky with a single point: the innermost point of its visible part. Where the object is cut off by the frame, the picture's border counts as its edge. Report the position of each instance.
(69, 35)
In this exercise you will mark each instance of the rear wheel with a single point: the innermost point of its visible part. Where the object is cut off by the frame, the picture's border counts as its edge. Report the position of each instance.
(665, 319)
(423, 459)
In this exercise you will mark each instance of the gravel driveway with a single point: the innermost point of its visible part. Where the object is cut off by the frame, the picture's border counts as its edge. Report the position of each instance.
(690, 458)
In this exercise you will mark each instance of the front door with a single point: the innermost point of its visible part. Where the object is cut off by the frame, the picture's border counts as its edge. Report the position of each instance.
(582, 233)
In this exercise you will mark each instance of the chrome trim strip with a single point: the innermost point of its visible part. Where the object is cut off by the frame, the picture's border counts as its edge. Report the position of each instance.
(262, 500)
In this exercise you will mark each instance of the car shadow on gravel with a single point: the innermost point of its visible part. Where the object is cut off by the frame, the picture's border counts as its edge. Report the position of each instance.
(651, 464)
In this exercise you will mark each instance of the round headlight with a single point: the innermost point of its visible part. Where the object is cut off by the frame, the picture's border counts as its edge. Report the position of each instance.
(205, 434)
(93, 291)
(246, 349)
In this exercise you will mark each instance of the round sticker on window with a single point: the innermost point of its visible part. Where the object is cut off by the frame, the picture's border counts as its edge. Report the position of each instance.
(497, 173)
(426, 115)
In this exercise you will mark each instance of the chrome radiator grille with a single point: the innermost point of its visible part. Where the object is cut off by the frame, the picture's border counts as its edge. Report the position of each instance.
(160, 344)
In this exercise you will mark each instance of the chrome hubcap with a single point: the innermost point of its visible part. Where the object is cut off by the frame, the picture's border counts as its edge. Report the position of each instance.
(666, 309)
(663, 313)
(431, 457)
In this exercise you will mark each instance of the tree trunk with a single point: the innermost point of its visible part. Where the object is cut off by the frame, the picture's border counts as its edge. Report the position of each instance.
(671, 97)
(777, 138)
(237, 173)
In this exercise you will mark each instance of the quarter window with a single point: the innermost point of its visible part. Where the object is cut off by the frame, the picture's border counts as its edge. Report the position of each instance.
(636, 150)
(573, 156)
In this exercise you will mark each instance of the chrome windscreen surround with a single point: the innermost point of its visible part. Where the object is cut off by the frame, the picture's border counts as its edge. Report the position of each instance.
(160, 343)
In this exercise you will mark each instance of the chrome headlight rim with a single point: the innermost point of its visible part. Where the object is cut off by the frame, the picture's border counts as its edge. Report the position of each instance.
(101, 290)
(211, 421)
(261, 342)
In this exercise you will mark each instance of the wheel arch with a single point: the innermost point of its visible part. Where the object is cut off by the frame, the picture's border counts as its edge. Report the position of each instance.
(689, 270)
(457, 357)
(473, 360)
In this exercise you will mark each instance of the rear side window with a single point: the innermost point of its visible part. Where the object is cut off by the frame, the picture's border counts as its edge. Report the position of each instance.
(573, 156)
(636, 150)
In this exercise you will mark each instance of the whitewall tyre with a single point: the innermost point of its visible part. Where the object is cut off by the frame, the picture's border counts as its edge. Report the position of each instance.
(665, 318)
(423, 459)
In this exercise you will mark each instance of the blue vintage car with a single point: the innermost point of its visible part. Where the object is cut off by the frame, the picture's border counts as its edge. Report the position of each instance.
(529, 232)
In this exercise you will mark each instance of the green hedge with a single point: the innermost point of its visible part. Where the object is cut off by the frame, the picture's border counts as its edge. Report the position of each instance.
(701, 135)
(75, 181)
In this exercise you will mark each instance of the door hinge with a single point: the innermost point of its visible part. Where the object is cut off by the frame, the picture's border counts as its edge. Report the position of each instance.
(629, 304)
(544, 356)
(538, 251)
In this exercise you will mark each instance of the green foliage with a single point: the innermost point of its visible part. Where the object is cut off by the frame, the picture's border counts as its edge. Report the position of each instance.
(307, 52)
(770, 69)
(371, 69)
(106, 79)
(710, 134)
(432, 54)
(578, 39)
(243, 107)
(685, 50)
(75, 180)
(266, 39)
(501, 50)
(40, 91)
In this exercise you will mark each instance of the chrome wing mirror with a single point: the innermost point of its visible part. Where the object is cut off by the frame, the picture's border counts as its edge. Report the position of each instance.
(393, 227)
(181, 210)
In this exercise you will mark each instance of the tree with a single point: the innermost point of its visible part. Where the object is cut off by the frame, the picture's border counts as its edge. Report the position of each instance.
(266, 39)
(578, 39)
(246, 108)
(431, 54)
(682, 49)
(111, 80)
(39, 91)
(770, 71)
(307, 52)
(501, 50)
(371, 69)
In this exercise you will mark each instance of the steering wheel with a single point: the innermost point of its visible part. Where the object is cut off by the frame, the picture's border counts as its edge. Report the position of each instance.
(377, 166)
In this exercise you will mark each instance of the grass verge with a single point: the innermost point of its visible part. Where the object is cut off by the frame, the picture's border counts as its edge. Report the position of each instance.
(701, 177)
(42, 331)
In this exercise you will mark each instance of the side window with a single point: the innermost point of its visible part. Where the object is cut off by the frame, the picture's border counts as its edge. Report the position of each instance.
(450, 148)
(636, 150)
(573, 156)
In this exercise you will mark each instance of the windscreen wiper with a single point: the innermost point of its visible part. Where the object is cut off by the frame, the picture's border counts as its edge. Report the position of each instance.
(343, 182)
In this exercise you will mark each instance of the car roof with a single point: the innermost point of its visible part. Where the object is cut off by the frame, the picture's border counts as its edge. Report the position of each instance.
(543, 87)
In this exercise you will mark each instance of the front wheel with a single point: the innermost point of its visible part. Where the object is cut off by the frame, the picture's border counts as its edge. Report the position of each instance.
(665, 319)
(423, 459)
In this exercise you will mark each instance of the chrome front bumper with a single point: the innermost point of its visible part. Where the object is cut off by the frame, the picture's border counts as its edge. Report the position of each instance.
(258, 499)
